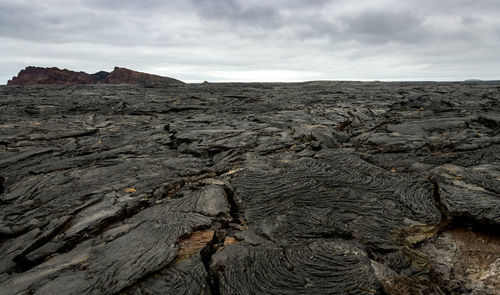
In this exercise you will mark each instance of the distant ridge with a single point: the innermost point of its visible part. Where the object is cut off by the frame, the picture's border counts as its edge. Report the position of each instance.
(39, 75)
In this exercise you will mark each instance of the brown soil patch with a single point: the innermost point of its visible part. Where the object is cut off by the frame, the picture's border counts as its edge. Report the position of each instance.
(195, 242)
(478, 257)
(229, 241)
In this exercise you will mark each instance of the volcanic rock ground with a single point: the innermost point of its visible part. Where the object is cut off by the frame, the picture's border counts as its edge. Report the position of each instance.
(308, 188)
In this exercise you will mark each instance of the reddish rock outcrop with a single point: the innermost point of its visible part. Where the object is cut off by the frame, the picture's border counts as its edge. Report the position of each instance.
(39, 75)
(126, 76)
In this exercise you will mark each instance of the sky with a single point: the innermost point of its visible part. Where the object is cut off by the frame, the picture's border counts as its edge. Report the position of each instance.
(254, 40)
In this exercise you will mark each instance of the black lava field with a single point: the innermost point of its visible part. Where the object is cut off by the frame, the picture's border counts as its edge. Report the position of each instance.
(250, 188)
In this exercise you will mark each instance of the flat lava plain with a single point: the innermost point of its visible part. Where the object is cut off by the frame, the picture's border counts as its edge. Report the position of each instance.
(258, 188)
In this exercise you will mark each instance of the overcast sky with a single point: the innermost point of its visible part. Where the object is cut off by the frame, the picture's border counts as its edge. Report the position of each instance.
(254, 40)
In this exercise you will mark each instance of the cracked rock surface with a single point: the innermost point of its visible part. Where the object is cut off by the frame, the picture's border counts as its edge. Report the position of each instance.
(301, 188)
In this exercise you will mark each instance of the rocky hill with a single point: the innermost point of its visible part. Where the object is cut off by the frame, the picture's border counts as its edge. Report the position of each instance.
(297, 188)
(38, 75)
(126, 76)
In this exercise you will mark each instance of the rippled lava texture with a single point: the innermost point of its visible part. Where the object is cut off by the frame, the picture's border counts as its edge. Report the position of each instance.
(308, 188)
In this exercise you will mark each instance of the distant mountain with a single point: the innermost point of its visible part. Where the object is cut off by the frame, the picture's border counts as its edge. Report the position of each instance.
(39, 75)
(99, 77)
(126, 76)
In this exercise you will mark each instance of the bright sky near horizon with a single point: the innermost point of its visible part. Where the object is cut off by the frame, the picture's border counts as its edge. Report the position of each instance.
(252, 40)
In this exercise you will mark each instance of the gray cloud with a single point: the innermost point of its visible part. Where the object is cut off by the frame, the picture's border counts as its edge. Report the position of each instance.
(470, 20)
(254, 39)
(235, 13)
(382, 26)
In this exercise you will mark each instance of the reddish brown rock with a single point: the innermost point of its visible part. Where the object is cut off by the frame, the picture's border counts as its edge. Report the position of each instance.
(126, 76)
(38, 75)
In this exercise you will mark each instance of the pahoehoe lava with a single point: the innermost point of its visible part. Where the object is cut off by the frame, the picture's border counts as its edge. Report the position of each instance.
(258, 188)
